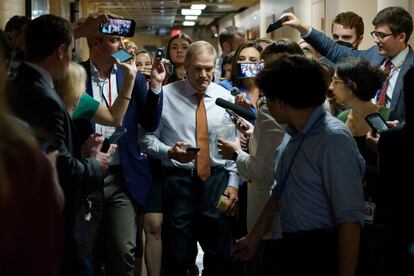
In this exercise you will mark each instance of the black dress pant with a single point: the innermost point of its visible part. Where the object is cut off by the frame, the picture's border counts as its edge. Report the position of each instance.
(190, 215)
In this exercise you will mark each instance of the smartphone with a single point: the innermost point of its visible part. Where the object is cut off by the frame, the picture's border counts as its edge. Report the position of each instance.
(159, 54)
(193, 149)
(113, 139)
(249, 69)
(376, 122)
(276, 25)
(234, 117)
(122, 55)
(117, 26)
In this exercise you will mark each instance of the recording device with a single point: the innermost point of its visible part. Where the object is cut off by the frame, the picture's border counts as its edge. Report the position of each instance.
(344, 43)
(376, 122)
(235, 91)
(249, 69)
(113, 139)
(246, 114)
(276, 25)
(159, 54)
(234, 117)
(122, 55)
(193, 149)
(117, 26)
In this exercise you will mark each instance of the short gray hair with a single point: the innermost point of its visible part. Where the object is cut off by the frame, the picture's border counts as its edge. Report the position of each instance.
(197, 47)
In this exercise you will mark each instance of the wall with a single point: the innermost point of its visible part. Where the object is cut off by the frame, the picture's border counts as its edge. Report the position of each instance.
(367, 9)
(9, 8)
(249, 20)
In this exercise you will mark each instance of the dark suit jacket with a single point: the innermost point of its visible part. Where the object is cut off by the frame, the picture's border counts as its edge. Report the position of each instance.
(34, 101)
(335, 52)
(145, 109)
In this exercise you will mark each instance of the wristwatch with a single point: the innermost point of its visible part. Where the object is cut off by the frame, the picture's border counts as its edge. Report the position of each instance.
(235, 154)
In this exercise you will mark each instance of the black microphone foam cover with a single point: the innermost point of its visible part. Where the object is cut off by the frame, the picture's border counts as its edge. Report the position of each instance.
(247, 114)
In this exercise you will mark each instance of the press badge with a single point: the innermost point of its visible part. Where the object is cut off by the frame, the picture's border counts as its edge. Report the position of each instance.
(369, 212)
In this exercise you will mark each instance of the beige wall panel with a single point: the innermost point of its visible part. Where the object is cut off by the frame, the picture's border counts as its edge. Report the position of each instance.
(9, 8)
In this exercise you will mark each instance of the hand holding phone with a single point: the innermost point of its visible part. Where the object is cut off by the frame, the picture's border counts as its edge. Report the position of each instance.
(376, 122)
(277, 24)
(192, 149)
(113, 139)
(235, 118)
(122, 55)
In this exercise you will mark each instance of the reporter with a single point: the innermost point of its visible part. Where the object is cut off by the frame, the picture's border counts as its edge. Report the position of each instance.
(395, 191)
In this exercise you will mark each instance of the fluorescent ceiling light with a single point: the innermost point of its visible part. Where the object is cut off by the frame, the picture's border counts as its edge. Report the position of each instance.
(190, 12)
(188, 23)
(191, 17)
(198, 6)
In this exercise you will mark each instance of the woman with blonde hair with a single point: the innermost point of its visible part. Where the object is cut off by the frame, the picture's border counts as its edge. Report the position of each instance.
(82, 106)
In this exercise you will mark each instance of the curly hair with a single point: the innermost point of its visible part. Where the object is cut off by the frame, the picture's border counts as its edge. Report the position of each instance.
(363, 78)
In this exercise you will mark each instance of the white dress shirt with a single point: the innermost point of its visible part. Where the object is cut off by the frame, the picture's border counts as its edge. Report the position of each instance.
(178, 123)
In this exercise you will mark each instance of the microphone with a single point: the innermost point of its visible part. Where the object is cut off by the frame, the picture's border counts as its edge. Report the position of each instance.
(247, 114)
(276, 25)
(234, 91)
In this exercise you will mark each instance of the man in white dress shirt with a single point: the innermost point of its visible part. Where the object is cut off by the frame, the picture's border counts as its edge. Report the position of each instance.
(190, 212)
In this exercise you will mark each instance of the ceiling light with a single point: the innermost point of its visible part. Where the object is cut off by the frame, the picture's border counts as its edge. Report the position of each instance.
(191, 17)
(188, 23)
(198, 6)
(190, 12)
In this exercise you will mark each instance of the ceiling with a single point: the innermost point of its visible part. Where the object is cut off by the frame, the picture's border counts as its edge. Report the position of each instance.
(158, 17)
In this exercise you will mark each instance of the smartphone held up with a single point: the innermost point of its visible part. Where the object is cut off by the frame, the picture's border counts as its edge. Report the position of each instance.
(249, 69)
(122, 55)
(117, 26)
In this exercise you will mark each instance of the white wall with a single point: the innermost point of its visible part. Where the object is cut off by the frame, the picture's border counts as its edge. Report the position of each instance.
(406, 4)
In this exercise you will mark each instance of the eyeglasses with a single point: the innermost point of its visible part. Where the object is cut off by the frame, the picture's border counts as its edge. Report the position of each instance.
(379, 35)
(336, 80)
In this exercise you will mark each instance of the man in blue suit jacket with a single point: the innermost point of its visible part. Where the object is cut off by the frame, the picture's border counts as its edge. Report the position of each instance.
(112, 224)
(393, 27)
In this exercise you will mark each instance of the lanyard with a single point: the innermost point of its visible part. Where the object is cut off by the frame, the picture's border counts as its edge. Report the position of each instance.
(108, 102)
(285, 176)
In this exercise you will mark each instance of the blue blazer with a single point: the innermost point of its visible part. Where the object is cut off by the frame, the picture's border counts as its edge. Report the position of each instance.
(145, 109)
(335, 52)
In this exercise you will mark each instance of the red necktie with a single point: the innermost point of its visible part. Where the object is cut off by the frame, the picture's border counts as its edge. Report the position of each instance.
(203, 158)
(382, 98)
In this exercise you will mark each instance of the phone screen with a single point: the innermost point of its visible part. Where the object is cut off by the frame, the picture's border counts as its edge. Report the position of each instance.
(249, 69)
(114, 138)
(117, 26)
(159, 54)
(122, 55)
(376, 122)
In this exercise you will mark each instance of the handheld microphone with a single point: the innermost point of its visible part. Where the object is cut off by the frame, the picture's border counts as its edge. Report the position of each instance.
(247, 114)
(276, 25)
(234, 91)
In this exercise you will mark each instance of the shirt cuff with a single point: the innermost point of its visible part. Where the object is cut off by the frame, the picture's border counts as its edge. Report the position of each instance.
(156, 91)
(307, 34)
(234, 180)
(163, 151)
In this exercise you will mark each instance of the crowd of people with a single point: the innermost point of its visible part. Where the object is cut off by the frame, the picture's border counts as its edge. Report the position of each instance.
(307, 187)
